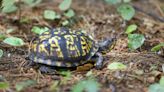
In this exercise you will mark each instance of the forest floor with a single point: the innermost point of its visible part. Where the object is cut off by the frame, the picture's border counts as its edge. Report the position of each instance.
(102, 21)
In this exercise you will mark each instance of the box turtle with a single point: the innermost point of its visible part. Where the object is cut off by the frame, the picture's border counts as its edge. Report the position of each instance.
(62, 47)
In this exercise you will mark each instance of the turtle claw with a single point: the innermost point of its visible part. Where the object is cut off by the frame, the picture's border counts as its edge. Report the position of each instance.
(98, 67)
(28, 64)
(46, 69)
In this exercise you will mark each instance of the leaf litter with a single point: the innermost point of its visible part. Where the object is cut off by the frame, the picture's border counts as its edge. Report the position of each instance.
(143, 66)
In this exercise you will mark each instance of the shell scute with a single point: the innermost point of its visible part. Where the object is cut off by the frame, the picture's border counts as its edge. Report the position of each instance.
(62, 47)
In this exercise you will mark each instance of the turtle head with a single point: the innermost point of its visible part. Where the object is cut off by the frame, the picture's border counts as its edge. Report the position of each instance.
(106, 45)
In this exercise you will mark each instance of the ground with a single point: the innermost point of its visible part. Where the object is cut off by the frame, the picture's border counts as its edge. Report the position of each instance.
(102, 21)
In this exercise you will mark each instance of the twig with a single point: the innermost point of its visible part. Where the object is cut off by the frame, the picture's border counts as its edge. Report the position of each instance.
(156, 3)
(150, 14)
(129, 54)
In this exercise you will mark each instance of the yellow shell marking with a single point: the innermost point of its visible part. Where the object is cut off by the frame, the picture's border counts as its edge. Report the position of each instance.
(56, 32)
(89, 45)
(41, 48)
(55, 46)
(85, 46)
(47, 32)
(33, 47)
(71, 46)
(48, 62)
(44, 37)
(58, 63)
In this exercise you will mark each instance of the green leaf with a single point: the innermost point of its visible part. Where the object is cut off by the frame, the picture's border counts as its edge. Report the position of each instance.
(127, 1)
(131, 28)
(65, 5)
(67, 76)
(89, 73)
(9, 30)
(157, 47)
(89, 85)
(113, 1)
(116, 66)
(70, 13)
(24, 19)
(2, 36)
(65, 23)
(161, 81)
(14, 41)
(32, 3)
(39, 30)
(1, 53)
(9, 9)
(54, 86)
(24, 84)
(49, 14)
(7, 2)
(2, 78)
(126, 11)
(58, 16)
(135, 41)
(4, 85)
(156, 88)
(8, 6)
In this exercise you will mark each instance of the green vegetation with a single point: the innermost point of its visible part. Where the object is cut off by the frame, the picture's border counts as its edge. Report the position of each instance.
(66, 76)
(157, 87)
(14, 41)
(54, 86)
(135, 41)
(89, 85)
(4, 85)
(124, 9)
(131, 28)
(39, 30)
(64, 17)
(49, 14)
(2, 36)
(70, 13)
(113, 1)
(9, 6)
(1, 53)
(117, 66)
(157, 47)
(65, 5)
(24, 84)
(32, 3)
(127, 12)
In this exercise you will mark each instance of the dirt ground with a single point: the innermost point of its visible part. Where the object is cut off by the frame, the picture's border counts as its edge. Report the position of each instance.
(102, 21)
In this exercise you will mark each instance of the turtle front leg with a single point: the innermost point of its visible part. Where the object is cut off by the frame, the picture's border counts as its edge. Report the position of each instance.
(99, 60)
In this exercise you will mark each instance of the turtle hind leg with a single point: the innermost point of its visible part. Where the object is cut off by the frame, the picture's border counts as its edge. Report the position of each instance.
(98, 58)
(46, 69)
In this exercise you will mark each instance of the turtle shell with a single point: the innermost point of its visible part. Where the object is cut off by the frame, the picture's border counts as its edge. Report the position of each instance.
(63, 48)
